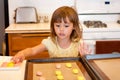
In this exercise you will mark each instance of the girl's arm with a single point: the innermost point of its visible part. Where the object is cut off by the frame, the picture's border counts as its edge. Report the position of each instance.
(38, 49)
(21, 55)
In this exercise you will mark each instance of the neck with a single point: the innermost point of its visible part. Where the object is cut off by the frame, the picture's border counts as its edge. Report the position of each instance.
(64, 43)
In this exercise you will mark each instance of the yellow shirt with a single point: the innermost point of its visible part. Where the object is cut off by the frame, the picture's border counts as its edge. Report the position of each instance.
(56, 51)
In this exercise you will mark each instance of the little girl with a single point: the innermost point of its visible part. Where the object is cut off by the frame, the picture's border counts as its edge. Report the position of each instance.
(65, 39)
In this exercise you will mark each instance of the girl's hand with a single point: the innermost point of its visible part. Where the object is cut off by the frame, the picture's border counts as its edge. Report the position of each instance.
(19, 57)
(84, 49)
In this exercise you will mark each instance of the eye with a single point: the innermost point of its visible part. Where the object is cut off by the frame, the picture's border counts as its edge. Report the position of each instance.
(66, 25)
(57, 25)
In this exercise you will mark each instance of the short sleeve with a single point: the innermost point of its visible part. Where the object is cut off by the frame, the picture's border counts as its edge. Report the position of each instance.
(46, 42)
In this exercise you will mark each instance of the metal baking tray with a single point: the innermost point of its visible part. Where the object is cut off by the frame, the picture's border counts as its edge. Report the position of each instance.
(77, 60)
(103, 66)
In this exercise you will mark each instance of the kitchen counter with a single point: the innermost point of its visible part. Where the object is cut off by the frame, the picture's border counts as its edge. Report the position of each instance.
(28, 28)
(45, 27)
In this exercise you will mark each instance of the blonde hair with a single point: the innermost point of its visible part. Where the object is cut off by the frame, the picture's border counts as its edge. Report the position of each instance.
(62, 13)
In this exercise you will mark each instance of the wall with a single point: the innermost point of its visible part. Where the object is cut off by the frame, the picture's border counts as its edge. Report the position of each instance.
(43, 7)
(98, 6)
(83, 6)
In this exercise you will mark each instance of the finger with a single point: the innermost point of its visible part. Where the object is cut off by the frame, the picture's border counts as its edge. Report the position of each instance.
(81, 49)
(15, 59)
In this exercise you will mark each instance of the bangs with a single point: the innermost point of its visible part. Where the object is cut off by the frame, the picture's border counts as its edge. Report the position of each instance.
(61, 16)
(59, 20)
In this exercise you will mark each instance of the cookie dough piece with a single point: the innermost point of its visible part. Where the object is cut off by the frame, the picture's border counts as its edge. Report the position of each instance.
(39, 73)
(4, 64)
(75, 71)
(69, 65)
(80, 78)
(58, 72)
(58, 66)
(60, 77)
(10, 64)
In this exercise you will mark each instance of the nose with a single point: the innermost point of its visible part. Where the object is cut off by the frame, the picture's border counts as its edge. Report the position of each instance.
(61, 28)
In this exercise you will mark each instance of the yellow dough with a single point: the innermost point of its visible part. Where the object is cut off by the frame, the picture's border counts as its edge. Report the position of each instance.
(69, 65)
(10, 64)
(75, 71)
(58, 72)
(60, 77)
(80, 78)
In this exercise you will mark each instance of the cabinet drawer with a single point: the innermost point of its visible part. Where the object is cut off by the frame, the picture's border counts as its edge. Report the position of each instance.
(18, 41)
(22, 41)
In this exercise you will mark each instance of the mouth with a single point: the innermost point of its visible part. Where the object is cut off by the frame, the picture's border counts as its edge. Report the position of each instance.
(61, 34)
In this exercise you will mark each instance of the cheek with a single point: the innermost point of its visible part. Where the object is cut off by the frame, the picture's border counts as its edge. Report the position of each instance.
(69, 31)
(56, 30)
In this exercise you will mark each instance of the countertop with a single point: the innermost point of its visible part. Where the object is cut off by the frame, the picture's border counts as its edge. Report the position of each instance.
(28, 28)
(45, 27)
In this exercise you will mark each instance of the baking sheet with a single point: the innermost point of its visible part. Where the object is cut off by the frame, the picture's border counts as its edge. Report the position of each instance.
(48, 71)
(48, 68)
(110, 67)
(104, 66)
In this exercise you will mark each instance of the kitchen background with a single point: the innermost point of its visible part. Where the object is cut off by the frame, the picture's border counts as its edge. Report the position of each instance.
(83, 6)
(104, 10)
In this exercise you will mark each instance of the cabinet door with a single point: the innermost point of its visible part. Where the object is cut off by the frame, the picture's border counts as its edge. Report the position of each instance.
(19, 42)
(107, 46)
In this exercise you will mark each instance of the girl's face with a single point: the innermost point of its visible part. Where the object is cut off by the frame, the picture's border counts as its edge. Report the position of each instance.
(63, 29)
